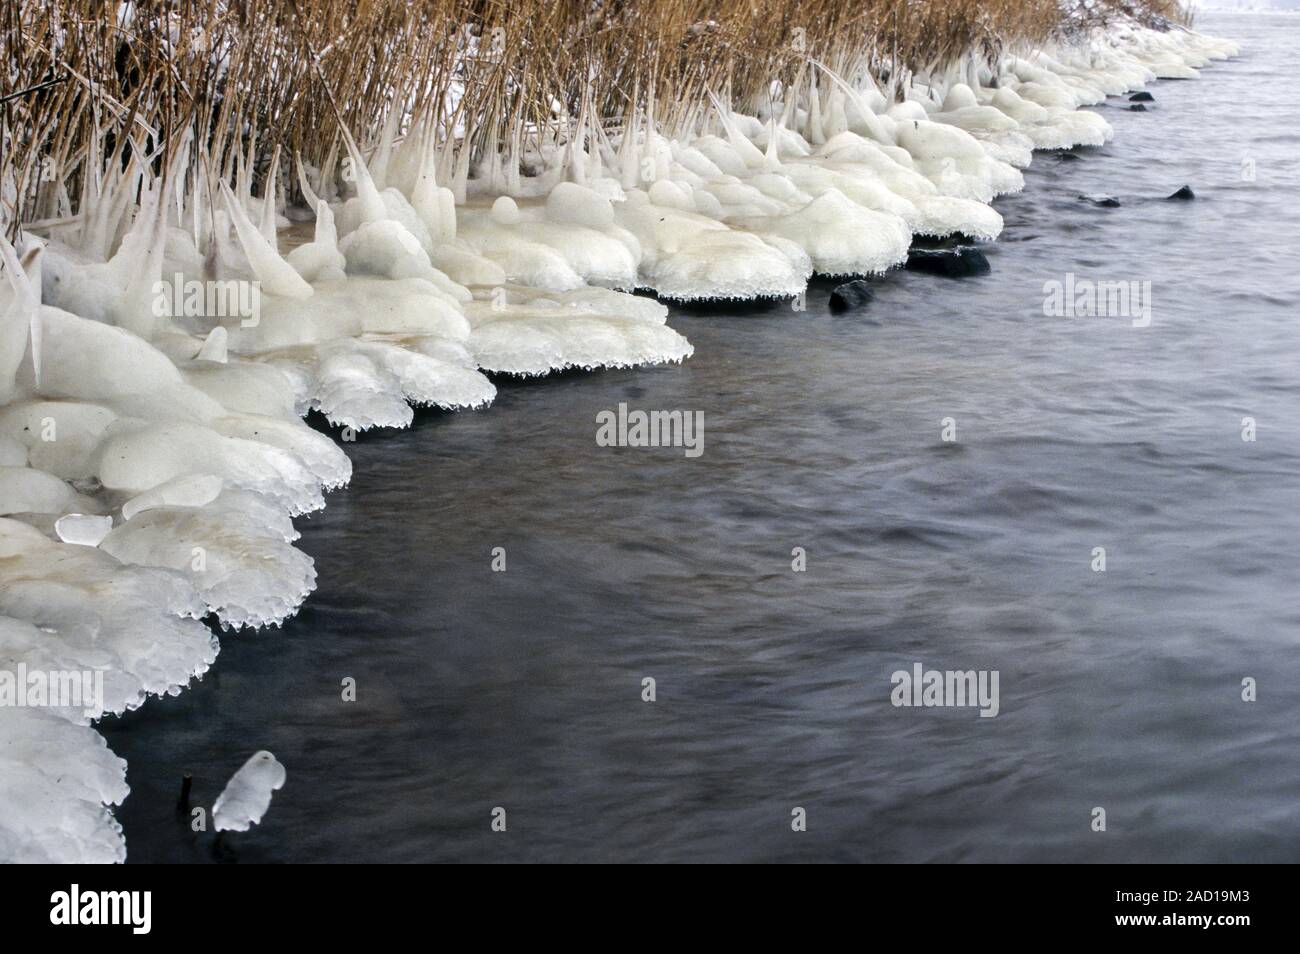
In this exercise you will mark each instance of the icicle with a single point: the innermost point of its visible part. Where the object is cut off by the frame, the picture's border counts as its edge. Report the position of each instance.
(136, 267)
(596, 167)
(267, 225)
(276, 275)
(772, 156)
(574, 154)
(447, 161)
(313, 201)
(874, 127)
(815, 133)
(629, 151)
(513, 182)
(447, 206)
(91, 186)
(836, 118)
(135, 178)
(747, 151)
(325, 180)
(424, 196)
(25, 279)
(379, 170)
(326, 234)
(460, 177)
(214, 346)
(372, 203)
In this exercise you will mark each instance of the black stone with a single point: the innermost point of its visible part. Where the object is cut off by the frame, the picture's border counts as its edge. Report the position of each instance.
(1184, 193)
(1137, 108)
(1067, 157)
(1142, 97)
(851, 295)
(949, 243)
(960, 263)
(1102, 201)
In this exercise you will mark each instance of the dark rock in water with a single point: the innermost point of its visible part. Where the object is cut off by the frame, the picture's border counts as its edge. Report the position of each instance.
(1137, 108)
(1184, 193)
(1102, 201)
(1142, 97)
(959, 263)
(851, 295)
(1067, 157)
(950, 242)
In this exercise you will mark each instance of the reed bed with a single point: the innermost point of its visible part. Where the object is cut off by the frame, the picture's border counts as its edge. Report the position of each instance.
(90, 84)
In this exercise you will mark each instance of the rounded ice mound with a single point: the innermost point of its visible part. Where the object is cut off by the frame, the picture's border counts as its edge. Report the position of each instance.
(323, 458)
(247, 796)
(388, 250)
(357, 212)
(956, 163)
(462, 264)
(687, 256)
(598, 301)
(941, 216)
(585, 328)
(56, 780)
(573, 204)
(351, 390)
(248, 578)
(840, 236)
(561, 246)
(136, 459)
(27, 490)
(101, 614)
(521, 258)
(88, 360)
(246, 386)
(190, 490)
(429, 381)
(671, 195)
(505, 211)
(12, 452)
(894, 166)
(368, 382)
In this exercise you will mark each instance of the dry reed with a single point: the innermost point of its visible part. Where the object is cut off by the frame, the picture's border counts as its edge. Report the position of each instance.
(90, 83)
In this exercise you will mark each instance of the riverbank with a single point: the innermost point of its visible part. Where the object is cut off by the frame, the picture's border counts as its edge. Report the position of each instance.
(366, 321)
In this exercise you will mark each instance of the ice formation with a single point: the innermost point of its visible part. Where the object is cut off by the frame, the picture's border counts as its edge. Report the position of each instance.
(247, 795)
(153, 455)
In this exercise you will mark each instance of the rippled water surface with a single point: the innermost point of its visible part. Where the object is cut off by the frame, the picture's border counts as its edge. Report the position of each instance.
(1119, 689)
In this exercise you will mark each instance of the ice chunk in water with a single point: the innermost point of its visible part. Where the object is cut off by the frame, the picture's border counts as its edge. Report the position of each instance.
(247, 795)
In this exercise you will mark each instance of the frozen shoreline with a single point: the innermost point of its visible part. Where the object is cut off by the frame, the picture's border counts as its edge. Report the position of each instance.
(194, 440)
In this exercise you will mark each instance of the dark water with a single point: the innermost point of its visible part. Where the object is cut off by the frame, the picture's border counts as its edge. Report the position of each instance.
(1119, 689)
